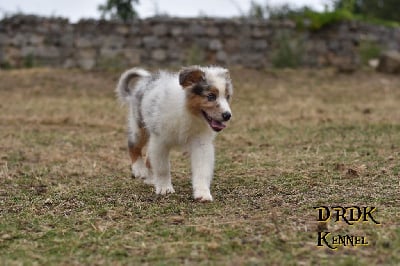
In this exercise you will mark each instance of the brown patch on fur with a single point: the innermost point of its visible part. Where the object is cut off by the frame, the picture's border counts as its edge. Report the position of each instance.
(196, 103)
(213, 90)
(190, 76)
(135, 149)
(148, 164)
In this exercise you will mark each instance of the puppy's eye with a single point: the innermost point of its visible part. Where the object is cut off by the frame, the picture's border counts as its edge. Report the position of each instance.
(228, 97)
(211, 97)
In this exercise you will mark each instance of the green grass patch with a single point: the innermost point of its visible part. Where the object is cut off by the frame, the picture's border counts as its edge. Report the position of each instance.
(309, 19)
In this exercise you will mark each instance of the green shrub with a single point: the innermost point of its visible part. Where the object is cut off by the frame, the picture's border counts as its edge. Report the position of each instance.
(308, 19)
(195, 55)
(289, 52)
(29, 61)
(369, 50)
(5, 65)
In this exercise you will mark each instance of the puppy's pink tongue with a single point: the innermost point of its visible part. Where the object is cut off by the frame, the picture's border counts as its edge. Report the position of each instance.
(217, 126)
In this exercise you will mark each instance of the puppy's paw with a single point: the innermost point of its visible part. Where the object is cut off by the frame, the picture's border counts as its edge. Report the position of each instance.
(139, 170)
(203, 195)
(149, 180)
(164, 189)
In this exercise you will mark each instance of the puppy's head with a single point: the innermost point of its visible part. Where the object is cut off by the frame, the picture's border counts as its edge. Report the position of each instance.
(209, 91)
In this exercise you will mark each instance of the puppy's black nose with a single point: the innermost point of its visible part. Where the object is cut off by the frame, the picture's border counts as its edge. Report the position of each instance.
(226, 116)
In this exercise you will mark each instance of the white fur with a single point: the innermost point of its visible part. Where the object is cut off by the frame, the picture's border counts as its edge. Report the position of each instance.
(160, 101)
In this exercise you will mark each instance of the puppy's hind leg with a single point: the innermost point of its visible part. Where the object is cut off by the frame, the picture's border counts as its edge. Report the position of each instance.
(137, 139)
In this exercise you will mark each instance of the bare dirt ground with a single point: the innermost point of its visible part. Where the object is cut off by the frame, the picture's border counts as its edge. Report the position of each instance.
(299, 139)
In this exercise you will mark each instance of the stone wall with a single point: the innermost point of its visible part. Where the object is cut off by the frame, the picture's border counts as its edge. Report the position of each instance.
(31, 40)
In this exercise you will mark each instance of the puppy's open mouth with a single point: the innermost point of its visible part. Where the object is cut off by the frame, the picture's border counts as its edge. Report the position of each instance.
(214, 124)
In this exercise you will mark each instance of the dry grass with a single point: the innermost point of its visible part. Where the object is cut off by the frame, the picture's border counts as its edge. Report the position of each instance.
(298, 139)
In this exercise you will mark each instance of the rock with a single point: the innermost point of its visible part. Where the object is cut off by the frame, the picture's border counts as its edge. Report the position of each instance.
(259, 32)
(86, 63)
(84, 42)
(229, 30)
(215, 45)
(345, 65)
(18, 40)
(132, 56)
(69, 63)
(67, 40)
(28, 50)
(260, 45)
(113, 42)
(373, 63)
(159, 55)
(49, 52)
(4, 39)
(196, 29)
(160, 30)
(86, 53)
(108, 52)
(35, 40)
(222, 57)
(212, 31)
(86, 58)
(122, 29)
(151, 42)
(389, 62)
(177, 31)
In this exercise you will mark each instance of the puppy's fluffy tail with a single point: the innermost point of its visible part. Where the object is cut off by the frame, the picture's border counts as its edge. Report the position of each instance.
(123, 89)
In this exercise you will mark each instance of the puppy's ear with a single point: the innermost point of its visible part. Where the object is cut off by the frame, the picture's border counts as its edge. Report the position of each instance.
(190, 75)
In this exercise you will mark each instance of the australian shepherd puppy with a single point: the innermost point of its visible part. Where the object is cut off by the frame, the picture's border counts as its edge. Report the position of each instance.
(167, 110)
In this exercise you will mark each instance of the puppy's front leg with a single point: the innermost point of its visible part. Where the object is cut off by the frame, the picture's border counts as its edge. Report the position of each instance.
(202, 159)
(159, 160)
